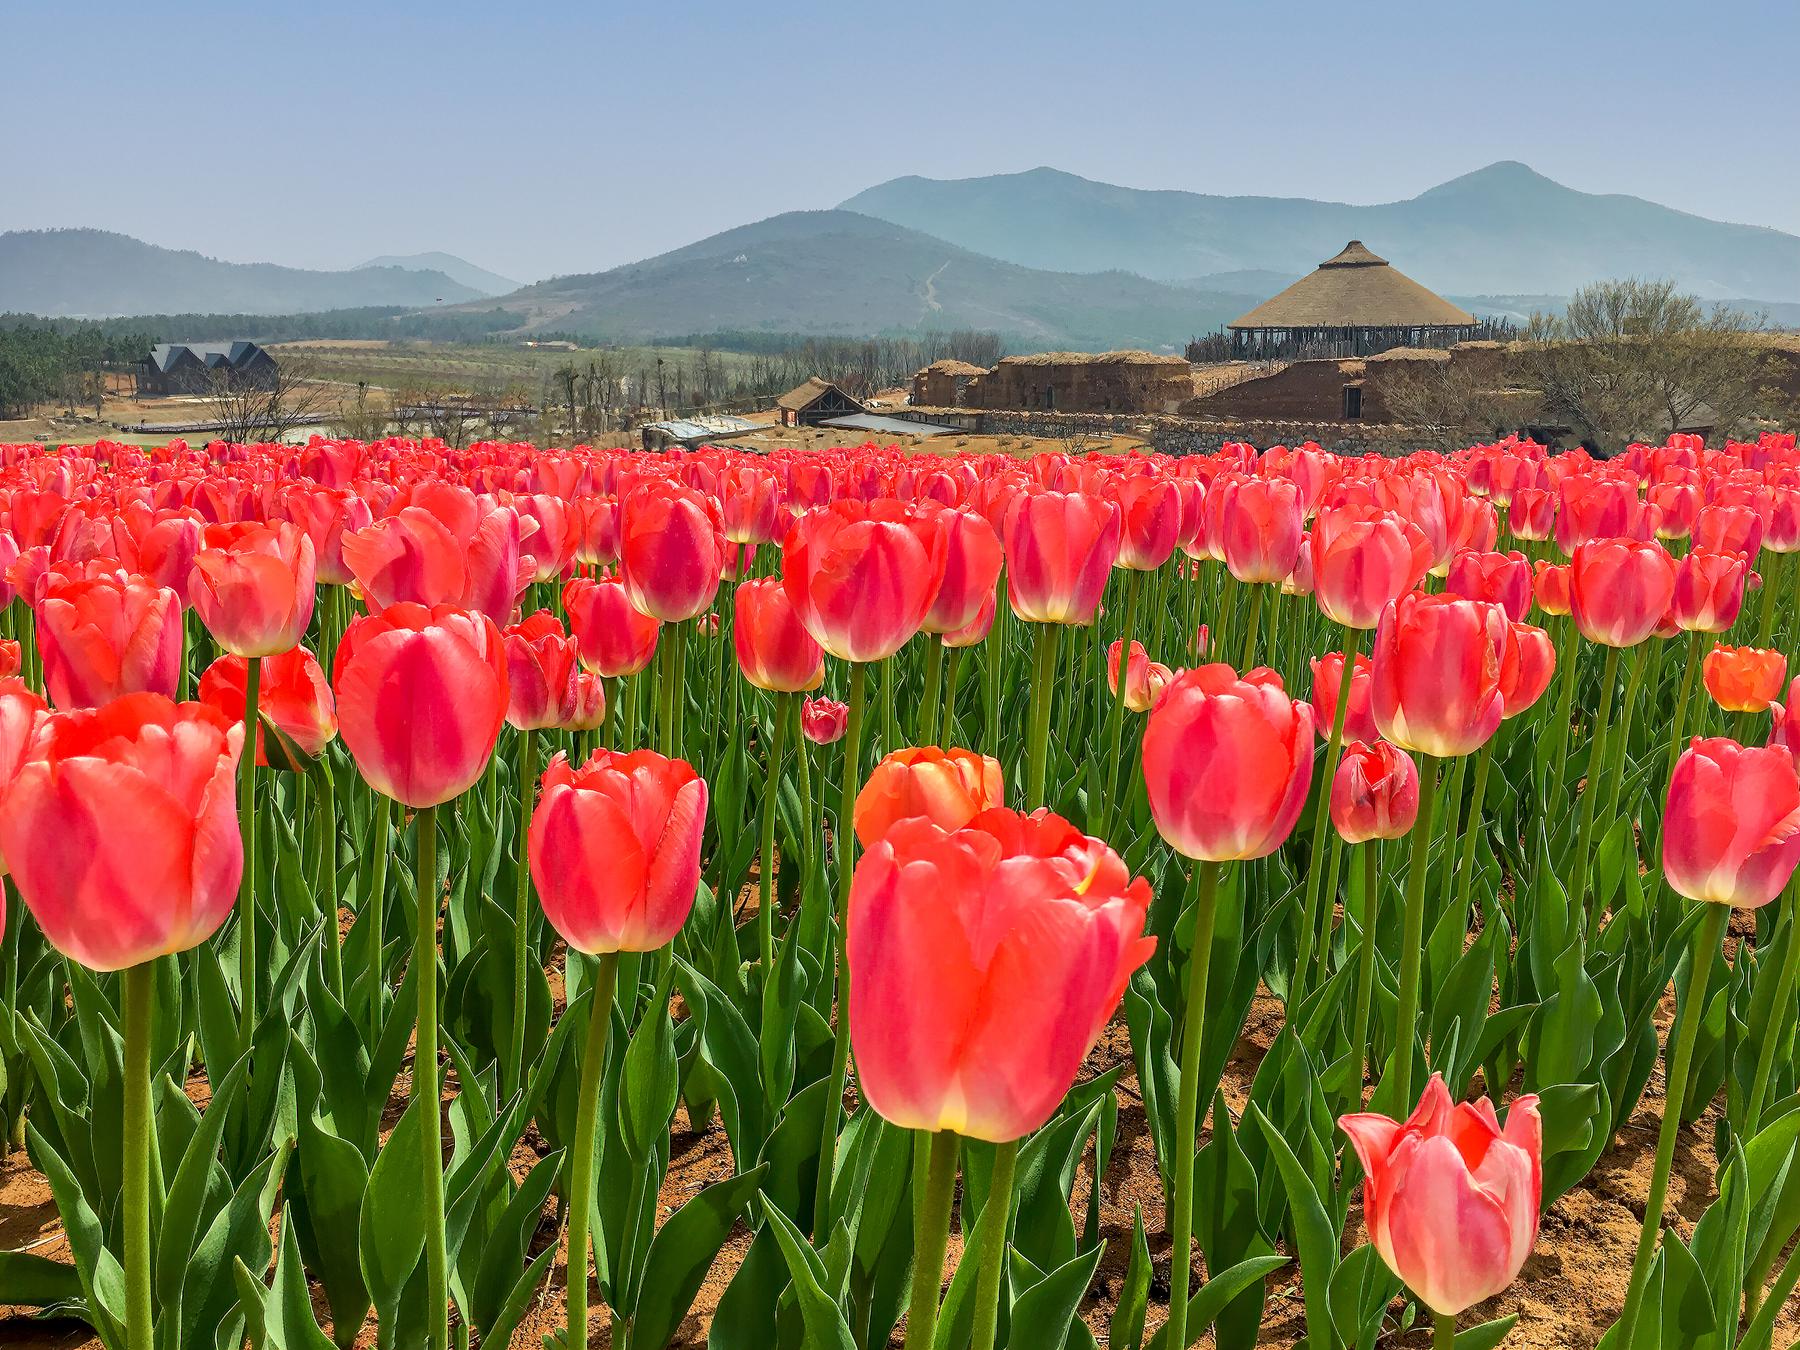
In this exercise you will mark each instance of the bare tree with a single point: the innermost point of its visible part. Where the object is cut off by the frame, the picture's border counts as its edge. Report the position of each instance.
(1632, 360)
(267, 409)
(364, 418)
(1448, 397)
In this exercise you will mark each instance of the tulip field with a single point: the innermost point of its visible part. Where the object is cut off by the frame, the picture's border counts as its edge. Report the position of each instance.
(838, 900)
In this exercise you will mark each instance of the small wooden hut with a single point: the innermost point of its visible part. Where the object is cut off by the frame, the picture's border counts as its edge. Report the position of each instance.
(815, 401)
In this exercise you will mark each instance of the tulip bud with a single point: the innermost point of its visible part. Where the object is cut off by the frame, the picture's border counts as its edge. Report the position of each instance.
(1375, 794)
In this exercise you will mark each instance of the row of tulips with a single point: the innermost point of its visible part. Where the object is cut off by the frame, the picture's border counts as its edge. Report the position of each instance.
(612, 783)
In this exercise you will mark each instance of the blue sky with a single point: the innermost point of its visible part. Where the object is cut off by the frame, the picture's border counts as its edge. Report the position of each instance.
(534, 137)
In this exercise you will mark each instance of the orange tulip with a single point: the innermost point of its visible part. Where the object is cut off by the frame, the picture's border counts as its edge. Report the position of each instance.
(121, 828)
(984, 963)
(1744, 679)
(948, 787)
(421, 695)
(614, 849)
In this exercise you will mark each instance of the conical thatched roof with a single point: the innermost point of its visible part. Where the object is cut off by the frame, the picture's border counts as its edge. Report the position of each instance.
(1356, 289)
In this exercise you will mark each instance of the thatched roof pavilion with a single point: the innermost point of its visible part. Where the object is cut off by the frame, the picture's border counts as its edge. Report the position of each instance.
(1351, 305)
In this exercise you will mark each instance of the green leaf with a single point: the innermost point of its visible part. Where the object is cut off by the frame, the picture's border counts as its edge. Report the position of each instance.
(1313, 1231)
(649, 1087)
(681, 1254)
(1125, 1331)
(101, 1277)
(33, 1281)
(824, 1320)
(1042, 1314)
(289, 1321)
(392, 1239)
(1487, 1335)
(1216, 1295)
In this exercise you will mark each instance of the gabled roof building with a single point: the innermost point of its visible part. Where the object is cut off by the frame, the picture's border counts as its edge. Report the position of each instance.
(1354, 304)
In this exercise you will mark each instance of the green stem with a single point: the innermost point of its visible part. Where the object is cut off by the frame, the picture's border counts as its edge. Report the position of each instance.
(1043, 685)
(587, 1143)
(1412, 941)
(1784, 999)
(139, 989)
(522, 950)
(246, 905)
(1365, 955)
(932, 703)
(1187, 1104)
(1311, 923)
(1108, 804)
(1568, 662)
(376, 899)
(328, 878)
(931, 1241)
(990, 1245)
(952, 674)
(1678, 724)
(845, 841)
(1584, 832)
(1484, 762)
(1252, 624)
(425, 1078)
(1443, 1331)
(765, 910)
(1621, 736)
(1707, 938)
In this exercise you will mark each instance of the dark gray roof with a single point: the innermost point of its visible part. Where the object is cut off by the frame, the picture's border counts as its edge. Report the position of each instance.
(213, 354)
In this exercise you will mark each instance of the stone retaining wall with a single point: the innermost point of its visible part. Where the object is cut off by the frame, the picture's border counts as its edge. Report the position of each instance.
(1184, 435)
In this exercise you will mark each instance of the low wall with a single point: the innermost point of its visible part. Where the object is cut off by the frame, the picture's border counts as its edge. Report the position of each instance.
(1172, 435)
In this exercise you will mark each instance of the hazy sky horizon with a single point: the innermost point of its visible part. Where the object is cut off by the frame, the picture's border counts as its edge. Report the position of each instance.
(542, 139)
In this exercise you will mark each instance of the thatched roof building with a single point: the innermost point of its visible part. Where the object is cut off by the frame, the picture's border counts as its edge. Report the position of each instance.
(1352, 305)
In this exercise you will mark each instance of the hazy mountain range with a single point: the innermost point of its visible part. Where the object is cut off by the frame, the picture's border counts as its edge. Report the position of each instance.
(1044, 257)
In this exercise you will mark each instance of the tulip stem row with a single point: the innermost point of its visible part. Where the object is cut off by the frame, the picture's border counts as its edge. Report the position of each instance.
(1043, 684)
(1412, 941)
(581, 1166)
(139, 982)
(1311, 922)
(765, 910)
(990, 1245)
(522, 948)
(1584, 831)
(1707, 937)
(247, 824)
(1187, 1102)
(425, 1077)
(844, 842)
(932, 1240)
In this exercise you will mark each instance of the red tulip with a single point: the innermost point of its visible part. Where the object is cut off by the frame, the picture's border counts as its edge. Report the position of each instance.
(1784, 734)
(448, 548)
(1435, 683)
(862, 575)
(824, 720)
(121, 828)
(1503, 578)
(293, 695)
(105, 637)
(540, 672)
(1375, 794)
(671, 550)
(1731, 825)
(1550, 585)
(1060, 550)
(1327, 688)
(1744, 679)
(1228, 763)
(774, 650)
(1149, 522)
(614, 637)
(252, 586)
(977, 629)
(972, 560)
(421, 695)
(1450, 1198)
(984, 964)
(594, 521)
(1259, 528)
(750, 504)
(587, 703)
(21, 710)
(1144, 679)
(1709, 591)
(1728, 528)
(1362, 559)
(614, 849)
(1532, 514)
(1527, 668)
(948, 787)
(1619, 589)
